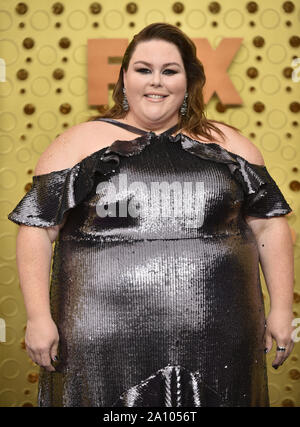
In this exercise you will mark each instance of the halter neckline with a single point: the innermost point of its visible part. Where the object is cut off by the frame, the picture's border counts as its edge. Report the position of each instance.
(135, 129)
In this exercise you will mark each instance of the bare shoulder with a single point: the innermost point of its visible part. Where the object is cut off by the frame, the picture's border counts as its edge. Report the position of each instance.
(238, 144)
(71, 146)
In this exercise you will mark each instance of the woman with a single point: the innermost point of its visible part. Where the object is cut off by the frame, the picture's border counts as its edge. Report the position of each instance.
(149, 307)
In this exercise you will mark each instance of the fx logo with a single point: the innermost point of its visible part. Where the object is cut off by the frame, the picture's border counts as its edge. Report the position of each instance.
(105, 57)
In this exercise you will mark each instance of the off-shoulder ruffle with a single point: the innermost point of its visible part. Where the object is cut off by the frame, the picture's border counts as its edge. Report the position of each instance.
(263, 198)
(54, 193)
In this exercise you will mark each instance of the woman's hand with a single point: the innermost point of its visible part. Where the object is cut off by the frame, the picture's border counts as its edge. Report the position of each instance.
(41, 340)
(279, 327)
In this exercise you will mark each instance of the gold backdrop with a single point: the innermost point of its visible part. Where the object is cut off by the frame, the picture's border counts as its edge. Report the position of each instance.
(43, 51)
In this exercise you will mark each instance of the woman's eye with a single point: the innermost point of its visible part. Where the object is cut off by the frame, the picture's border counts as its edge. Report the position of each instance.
(142, 70)
(146, 70)
(169, 71)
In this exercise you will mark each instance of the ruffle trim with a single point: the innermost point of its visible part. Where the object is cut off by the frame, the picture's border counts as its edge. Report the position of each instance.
(54, 193)
(172, 386)
(263, 198)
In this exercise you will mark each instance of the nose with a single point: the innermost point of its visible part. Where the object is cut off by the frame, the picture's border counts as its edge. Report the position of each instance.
(156, 78)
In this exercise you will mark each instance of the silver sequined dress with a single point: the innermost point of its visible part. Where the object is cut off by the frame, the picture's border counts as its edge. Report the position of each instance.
(155, 308)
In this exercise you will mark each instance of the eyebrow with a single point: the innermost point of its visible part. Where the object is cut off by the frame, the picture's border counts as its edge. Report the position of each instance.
(164, 65)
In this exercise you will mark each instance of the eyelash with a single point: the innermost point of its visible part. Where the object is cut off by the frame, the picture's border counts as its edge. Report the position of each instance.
(141, 70)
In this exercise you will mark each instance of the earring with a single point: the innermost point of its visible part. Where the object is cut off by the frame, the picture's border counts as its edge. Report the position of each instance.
(125, 102)
(183, 108)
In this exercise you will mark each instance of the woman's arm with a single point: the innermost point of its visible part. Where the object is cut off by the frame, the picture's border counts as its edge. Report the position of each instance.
(276, 257)
(34, 254)
(275, 248)
(34, 246)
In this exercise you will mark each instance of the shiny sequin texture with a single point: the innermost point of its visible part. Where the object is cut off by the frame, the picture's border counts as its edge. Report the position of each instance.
(153, 310)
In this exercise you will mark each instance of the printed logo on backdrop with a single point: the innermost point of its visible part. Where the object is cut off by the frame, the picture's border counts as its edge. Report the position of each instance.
(105, 57)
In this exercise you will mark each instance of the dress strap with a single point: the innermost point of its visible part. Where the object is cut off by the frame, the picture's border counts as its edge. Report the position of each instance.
(135, 129)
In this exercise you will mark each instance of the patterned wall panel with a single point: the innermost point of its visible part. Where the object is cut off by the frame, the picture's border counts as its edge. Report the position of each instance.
(43, 91)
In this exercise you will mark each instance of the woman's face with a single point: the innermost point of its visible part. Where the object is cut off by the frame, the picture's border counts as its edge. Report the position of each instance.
(155, 68)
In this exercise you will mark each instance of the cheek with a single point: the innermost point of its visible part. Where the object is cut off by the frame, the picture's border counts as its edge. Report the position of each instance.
(136, 84)
(176, 84)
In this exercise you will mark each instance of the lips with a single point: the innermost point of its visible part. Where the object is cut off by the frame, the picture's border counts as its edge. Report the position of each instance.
(156, 96)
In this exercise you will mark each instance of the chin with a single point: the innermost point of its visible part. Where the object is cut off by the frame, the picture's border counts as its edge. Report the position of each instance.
(155, 116)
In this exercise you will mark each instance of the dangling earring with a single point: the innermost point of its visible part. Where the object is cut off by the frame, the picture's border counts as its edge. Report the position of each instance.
(183, 108)
(125, 102)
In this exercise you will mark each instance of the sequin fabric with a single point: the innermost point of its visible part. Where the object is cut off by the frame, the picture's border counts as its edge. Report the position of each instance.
(154, 309)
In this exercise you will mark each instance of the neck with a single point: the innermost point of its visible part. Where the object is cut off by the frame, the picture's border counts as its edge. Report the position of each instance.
(157, 128)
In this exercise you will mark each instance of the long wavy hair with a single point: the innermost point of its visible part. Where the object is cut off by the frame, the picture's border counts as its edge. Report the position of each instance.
(194, 122)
